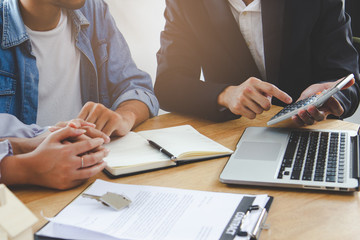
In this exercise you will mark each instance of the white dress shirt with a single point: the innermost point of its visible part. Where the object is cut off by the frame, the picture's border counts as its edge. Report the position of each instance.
(250, 23)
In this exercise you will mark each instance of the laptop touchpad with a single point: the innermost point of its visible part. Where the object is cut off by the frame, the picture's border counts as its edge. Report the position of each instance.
(258, 151)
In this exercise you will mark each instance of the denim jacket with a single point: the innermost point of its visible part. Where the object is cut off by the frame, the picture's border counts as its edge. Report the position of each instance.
(108, 74)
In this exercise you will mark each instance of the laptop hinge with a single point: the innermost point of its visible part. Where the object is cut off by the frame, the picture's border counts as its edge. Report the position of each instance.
(355, 142)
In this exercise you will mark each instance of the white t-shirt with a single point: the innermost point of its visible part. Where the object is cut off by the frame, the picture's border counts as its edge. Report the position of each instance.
(58, 62)
(250, 22)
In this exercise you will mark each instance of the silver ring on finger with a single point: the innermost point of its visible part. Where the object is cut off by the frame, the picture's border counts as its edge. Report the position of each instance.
(82, 161)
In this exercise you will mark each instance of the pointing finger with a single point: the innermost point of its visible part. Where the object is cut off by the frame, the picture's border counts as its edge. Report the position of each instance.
(271, 90)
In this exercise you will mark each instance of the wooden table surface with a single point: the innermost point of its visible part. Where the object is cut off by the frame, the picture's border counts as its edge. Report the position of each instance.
(295, 214)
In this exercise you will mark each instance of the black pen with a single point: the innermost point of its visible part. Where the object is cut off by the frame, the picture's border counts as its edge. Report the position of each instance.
(161, 149)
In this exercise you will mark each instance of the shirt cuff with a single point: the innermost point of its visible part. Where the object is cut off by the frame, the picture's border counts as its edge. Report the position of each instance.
(5, 150)
(147, 98)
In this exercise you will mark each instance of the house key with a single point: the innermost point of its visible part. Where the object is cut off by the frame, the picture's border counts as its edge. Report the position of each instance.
(114, 200)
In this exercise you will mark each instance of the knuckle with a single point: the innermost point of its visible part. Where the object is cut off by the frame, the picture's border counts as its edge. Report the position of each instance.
(77, 120)
(267, 106)
(98, 106)
(95, 142)
(236, 108)
(252, 80)
(65, 152)
(240, 99)
(61, 123)
(259, 111)
(91, 159)
(89, 130)
(239, 110)
(104, 154)
(251, 115)
(248, 90)
(117, 117)
(89, 104)
(270, 88)
(89, 144)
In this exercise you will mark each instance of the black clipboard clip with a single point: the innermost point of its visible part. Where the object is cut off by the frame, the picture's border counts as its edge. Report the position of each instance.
(259, 226)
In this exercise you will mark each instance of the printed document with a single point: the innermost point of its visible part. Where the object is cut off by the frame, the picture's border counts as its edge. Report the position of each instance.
(155, 213)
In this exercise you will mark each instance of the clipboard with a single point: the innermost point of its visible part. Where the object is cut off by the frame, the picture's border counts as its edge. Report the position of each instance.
(230, 218)
(245, 208)
(260, 225)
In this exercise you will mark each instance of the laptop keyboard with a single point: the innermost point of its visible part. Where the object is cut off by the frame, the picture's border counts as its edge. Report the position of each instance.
(314, 156)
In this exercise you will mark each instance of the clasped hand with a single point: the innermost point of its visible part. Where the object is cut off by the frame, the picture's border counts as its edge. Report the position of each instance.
(67, 156)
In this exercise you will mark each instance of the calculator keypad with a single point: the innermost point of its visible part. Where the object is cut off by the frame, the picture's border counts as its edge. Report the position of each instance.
(296, 105)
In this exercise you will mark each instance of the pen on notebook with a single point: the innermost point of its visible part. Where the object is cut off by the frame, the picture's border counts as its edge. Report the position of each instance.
(161, 149)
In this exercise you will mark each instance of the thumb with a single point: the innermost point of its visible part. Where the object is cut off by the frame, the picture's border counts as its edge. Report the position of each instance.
(349, 84)
(67, 132)
(332, 106)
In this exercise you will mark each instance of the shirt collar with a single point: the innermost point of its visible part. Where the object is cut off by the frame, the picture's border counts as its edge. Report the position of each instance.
(240, 6)
(78, 19)
(14, 31)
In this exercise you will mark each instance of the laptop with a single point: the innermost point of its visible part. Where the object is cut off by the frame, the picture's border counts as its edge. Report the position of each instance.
(295, 158)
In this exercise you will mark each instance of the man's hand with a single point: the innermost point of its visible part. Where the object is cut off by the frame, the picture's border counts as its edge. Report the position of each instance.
(312, 114)
(56, 164)
(128, 115)
(251, 97)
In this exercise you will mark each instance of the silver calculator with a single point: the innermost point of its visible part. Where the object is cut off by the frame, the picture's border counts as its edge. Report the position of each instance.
(317, 100)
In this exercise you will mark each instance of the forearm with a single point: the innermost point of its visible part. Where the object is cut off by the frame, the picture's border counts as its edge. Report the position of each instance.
(26, 145)
(134, 112)
(191, 96)
(13, 170)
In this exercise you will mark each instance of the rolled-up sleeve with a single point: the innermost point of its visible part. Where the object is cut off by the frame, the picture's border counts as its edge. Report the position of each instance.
(123, 78)
(138, 94)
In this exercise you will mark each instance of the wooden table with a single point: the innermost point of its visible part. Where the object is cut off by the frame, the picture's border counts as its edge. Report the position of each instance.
(295, 214)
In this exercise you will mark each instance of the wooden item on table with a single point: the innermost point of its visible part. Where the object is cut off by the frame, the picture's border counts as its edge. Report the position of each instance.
(16, 220)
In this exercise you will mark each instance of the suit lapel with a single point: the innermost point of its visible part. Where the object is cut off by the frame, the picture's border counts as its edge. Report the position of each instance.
(222, 18)
(273, 27)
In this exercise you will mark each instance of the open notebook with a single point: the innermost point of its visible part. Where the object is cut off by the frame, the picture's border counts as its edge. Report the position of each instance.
(133, 153)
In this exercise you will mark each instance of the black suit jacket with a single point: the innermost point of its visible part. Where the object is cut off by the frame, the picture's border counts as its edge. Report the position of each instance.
(352, 7)
(305, 42)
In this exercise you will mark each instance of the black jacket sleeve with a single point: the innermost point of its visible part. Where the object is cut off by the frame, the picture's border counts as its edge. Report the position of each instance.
(178, 86)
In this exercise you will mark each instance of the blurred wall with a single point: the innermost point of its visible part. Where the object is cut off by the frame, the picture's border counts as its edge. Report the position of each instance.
(140, 21)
